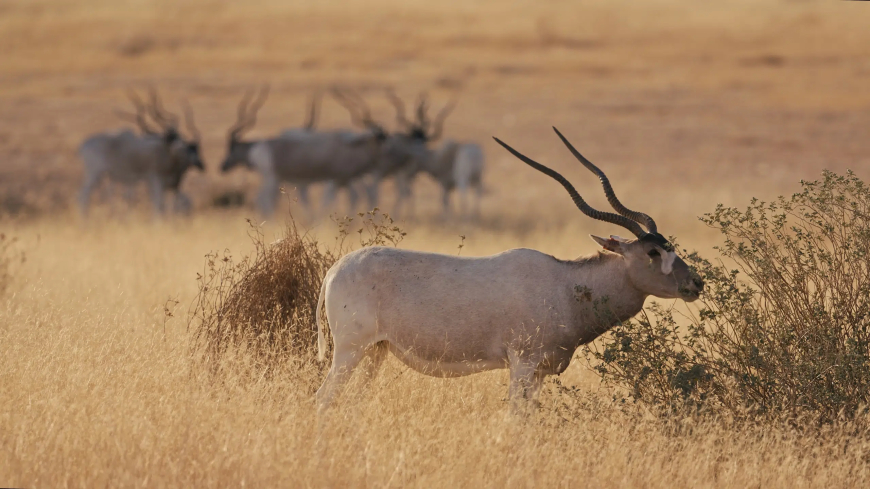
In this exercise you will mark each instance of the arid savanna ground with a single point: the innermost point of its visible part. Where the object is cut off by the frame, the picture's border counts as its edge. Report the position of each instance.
(685, 105)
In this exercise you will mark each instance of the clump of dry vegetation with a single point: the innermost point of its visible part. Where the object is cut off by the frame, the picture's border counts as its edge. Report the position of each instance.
(785, 332)
(265, 303)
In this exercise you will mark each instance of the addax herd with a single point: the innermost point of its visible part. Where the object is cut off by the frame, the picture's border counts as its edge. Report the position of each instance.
(297, 157)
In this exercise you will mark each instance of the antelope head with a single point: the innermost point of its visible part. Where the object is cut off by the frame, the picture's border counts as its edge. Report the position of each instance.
(408, 150)
(422, 129)
(651, 261)
(183, 150)
(237, 149)
(192, 147)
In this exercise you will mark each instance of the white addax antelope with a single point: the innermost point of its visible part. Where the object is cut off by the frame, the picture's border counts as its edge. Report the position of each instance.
(304, 156)
(159, 158)
(454, 165)
(522, 309)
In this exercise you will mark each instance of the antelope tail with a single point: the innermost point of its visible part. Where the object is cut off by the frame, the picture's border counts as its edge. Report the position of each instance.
(321, 339)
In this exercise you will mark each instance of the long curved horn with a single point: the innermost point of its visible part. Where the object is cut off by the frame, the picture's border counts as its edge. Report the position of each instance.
(422, 108)
(358, 101)
(313, 105)
(188, 121)
(255, 106)
(360, 114)
(400, 109)
(438, 122)
(139, 118)
(166, 119)
(581, 204)
(608, 190)
(241, 118)
(136, 119)
(344, 100)
(246, 114)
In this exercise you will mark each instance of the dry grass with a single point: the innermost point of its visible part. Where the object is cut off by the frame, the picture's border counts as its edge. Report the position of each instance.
(263, 303)
(99, 389)
(684, 108)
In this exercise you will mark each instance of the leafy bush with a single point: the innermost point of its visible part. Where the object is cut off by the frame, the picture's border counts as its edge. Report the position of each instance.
(265, 303)
(785, 333)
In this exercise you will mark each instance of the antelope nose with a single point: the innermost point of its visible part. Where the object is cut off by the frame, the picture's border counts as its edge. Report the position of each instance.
(698, 282)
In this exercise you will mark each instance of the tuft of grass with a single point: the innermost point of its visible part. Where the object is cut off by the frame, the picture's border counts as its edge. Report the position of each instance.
(265, 303)
(784, 333)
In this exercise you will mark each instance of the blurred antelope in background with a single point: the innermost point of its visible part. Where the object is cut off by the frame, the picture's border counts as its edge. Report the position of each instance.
(524, 310)
(159, 157)
(240, 152)
(302, 157)
(397, 152)
(454, 165)
(308, 127)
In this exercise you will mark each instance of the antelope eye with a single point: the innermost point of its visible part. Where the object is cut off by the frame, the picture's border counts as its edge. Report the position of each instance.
(653, 253)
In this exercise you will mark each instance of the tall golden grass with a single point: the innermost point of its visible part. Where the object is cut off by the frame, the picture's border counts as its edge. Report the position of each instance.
(265, 303)
(100, 389)
(684, 108)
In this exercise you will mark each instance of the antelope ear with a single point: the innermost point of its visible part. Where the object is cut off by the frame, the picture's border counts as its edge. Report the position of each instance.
(608, 244)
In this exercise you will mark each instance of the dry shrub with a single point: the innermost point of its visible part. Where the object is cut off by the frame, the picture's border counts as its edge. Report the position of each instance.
(262, 307)
(785, 333)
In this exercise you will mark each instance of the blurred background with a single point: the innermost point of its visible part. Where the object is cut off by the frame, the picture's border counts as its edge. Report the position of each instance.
(684, 105)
